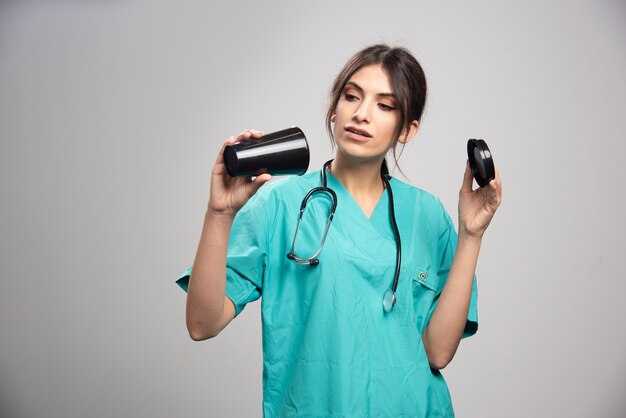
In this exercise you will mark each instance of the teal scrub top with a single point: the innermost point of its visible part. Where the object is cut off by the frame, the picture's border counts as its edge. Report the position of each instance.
(329, 349)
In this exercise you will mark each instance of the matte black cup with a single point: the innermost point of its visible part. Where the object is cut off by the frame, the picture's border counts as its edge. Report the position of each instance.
(277, 153)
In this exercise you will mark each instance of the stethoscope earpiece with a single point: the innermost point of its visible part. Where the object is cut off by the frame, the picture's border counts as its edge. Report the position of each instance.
(303, 262)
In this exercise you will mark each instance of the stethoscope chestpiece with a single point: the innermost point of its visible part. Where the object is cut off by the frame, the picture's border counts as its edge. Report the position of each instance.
(389, 300)
(480, 161)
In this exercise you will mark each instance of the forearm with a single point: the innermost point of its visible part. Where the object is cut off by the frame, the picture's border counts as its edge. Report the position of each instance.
(207, 284)
(445, 329)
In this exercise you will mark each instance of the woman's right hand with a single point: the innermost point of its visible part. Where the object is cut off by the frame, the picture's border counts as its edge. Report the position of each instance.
(229, 194)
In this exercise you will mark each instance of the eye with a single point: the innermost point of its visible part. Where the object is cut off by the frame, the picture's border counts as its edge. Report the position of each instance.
(386, 107)
(350, 97)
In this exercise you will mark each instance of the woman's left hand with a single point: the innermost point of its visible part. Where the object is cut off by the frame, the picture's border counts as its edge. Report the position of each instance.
(477, 207)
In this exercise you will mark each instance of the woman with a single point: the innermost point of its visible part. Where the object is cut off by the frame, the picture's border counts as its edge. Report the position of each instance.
(337, 341)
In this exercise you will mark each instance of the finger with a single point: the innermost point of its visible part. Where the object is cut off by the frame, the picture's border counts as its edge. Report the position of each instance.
(494, 191)
(245, 134)
(497, 179)
(259, 181)
(230, 141)
(467, 178)
(495, 182)
(263, 178)
(496, 187)
(257, 134)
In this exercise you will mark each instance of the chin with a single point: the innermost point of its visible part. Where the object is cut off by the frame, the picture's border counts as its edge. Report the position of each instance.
(359, 154)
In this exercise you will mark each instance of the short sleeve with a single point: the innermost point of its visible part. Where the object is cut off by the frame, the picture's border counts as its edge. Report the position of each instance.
(246, 259)
(447, 243)
(183, 279)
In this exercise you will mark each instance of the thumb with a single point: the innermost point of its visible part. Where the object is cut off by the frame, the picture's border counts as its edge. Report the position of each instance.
(468, 178)
(259, 181)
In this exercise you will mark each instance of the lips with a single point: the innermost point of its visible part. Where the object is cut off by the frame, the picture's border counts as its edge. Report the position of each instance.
(359, 132)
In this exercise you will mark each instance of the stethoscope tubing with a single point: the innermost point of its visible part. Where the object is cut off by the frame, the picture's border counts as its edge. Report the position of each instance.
(389, 299)
(396, 235)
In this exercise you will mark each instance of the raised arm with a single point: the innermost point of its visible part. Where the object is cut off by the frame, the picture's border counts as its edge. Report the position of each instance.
(208, 309)
(445, 329)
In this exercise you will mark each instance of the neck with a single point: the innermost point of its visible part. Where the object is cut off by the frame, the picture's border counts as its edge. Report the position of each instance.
(359, 178)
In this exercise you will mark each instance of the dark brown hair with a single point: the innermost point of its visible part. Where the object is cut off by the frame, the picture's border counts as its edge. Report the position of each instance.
(405, 74)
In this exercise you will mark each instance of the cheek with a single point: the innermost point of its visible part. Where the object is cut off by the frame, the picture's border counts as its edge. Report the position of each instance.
(341, 108)
(390, 125)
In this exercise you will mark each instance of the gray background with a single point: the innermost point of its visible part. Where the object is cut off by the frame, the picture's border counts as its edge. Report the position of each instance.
(112, 112)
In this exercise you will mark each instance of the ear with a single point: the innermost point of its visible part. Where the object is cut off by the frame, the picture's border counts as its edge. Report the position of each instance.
(332, 117)
(409, 133)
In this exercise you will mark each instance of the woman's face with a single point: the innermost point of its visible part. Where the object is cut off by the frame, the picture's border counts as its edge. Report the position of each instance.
(366, 115)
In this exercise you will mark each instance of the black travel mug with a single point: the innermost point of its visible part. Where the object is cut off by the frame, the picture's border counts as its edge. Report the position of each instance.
(277, 153)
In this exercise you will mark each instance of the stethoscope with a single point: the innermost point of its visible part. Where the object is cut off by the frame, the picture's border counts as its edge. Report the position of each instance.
(389, 299)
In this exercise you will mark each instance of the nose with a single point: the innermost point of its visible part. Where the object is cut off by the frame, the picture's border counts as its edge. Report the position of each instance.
(362, 112)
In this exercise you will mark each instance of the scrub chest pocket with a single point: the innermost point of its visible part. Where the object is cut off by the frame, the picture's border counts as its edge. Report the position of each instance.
(424, 287)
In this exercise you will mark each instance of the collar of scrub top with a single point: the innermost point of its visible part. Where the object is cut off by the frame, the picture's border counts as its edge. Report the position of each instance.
(389, 299)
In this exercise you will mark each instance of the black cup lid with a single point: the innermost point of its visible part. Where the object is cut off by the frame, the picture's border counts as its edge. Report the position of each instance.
(480, 161)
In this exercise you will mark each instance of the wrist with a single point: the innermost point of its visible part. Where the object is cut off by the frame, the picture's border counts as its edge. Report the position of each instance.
(467, 238)
(220, 215)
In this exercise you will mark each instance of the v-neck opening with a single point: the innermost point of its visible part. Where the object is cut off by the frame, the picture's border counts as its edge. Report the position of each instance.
(336, 184)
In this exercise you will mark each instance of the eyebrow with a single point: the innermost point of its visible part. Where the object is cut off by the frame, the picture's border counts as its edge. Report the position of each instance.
(360, 89)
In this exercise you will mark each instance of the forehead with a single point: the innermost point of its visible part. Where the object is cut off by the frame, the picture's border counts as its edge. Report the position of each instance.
(372, 78)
